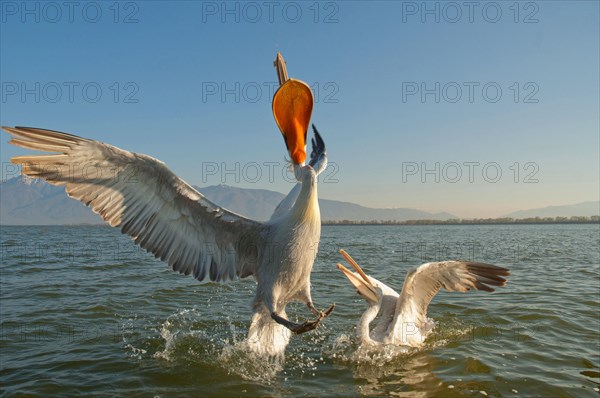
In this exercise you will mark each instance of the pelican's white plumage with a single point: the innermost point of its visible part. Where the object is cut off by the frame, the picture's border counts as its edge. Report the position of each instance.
(403, 317)
(167, 217)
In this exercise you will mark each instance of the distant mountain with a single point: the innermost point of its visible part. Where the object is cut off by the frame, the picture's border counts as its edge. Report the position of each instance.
(26, 201)
(583, 209)
(333, 210)
(257, 204)
(260, 204)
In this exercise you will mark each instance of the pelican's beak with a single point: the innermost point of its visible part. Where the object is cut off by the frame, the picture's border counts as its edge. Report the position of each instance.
(292, 108)
(362, 283)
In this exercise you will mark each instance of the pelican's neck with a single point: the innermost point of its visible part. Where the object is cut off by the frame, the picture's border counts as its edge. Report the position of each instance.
(307, 204)
(364, 334)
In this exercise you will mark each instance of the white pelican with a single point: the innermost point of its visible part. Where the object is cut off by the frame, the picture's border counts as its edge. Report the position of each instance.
(167, 217)
(403, 319)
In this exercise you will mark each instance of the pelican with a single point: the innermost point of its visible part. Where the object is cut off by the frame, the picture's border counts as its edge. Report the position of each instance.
(403, 317)
(169, 218)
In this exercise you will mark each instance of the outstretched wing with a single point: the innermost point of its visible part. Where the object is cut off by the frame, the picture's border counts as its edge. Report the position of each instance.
(139, 194)
(318, 161)
(424, 282)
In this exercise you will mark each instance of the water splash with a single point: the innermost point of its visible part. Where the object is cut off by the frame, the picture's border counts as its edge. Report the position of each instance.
(240, 359)
(187, 337)
(346, 349)
(181, 334)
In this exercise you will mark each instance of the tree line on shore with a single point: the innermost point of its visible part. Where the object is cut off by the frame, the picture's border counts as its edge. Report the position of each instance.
(475, 221)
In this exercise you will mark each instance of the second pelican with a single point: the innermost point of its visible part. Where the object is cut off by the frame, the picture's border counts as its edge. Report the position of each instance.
(403, 318)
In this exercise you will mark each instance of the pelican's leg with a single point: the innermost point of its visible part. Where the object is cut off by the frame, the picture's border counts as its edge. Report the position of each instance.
(318, 313)
(312, 308)
(306, 326)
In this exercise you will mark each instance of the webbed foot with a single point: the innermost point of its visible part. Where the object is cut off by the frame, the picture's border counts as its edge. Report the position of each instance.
(306, 326)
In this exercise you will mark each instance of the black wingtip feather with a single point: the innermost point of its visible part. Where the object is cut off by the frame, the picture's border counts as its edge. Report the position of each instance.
(319, 139)
(487, 274)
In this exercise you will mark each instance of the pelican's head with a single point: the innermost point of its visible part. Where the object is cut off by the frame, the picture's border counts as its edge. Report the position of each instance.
(367, 287)
(318, 161)
(292, 109)
(379, 297)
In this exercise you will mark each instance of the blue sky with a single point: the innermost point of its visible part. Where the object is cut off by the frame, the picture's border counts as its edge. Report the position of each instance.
(493, 107)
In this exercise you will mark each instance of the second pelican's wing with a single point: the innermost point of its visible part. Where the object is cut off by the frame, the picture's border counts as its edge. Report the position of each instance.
(424, 282)
(140, 195)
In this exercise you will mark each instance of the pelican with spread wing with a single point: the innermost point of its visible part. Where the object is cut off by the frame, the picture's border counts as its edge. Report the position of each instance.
(403, 317)
(169, 218)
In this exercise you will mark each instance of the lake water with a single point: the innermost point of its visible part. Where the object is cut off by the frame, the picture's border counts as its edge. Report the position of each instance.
(85, 312)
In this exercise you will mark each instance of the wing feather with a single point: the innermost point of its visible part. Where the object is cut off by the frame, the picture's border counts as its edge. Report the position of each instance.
(140, 195)
(424, 282)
